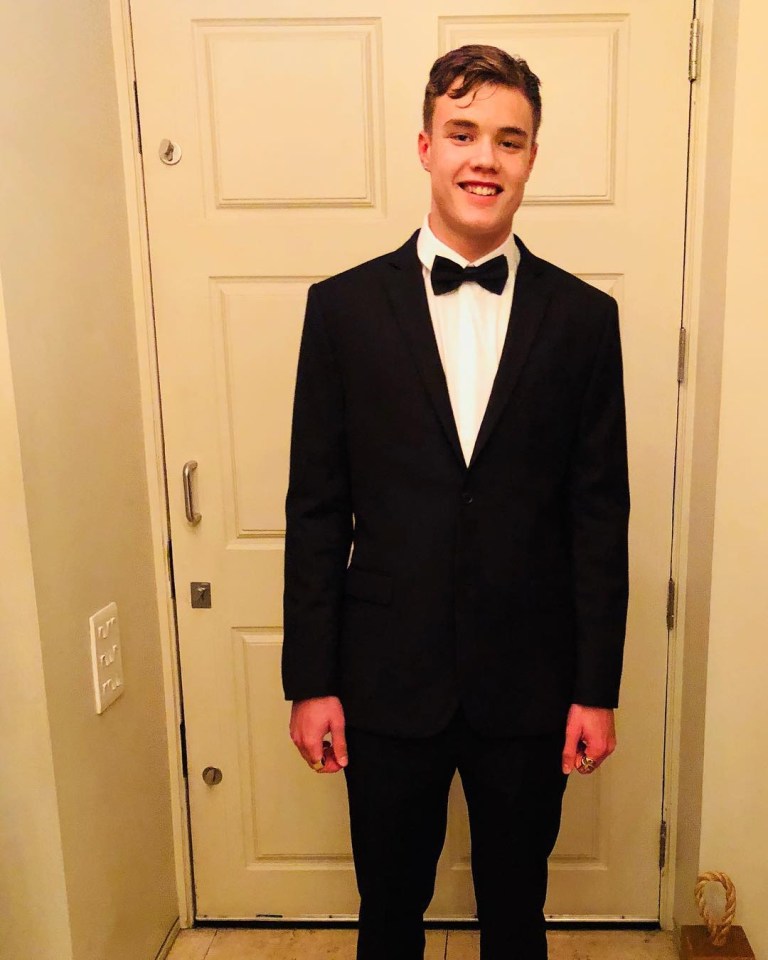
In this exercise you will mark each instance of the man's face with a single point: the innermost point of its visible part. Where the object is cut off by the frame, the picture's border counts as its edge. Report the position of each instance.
(479, 156)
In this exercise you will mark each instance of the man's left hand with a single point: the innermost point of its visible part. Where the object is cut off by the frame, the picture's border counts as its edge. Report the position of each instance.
(589, 732)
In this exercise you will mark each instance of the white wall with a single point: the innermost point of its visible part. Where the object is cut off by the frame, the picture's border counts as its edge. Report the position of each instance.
(734, 835)
(33, 906)
(64, 263)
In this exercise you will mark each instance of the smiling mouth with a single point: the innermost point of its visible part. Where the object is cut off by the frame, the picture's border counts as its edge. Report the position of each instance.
(481, 189)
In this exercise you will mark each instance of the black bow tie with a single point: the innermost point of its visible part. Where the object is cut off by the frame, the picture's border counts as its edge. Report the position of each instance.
(448, 275)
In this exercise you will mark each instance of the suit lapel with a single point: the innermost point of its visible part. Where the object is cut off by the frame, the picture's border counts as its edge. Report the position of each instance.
(528, 305)
(405, 288)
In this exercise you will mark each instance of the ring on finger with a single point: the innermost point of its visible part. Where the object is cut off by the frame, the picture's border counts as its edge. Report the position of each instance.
(587, 764)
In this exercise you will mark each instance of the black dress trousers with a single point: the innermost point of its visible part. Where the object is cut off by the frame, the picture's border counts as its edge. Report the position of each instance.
(398, 798)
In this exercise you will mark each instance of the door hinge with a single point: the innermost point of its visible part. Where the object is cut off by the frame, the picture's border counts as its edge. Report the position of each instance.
(694, 46)
(671, 604)
(663, 845)
(138, 118)
(183, 742)
(682, 343)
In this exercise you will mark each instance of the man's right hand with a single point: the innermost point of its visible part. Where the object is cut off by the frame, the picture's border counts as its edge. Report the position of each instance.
(311, 720)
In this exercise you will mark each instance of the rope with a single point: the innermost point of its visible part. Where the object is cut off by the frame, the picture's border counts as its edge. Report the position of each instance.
(718, 929)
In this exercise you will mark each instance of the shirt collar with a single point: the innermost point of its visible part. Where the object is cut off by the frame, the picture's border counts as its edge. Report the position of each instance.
(428, 247)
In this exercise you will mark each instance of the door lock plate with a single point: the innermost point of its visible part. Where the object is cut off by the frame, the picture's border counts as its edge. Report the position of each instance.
(200, 593)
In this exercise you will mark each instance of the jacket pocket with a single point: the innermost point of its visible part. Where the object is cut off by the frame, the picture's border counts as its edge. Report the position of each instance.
(367, 585)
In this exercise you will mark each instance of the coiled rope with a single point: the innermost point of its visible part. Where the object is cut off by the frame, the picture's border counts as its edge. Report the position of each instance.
(718, 929)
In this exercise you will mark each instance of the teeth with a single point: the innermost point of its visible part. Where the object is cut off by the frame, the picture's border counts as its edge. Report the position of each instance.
(481, 191)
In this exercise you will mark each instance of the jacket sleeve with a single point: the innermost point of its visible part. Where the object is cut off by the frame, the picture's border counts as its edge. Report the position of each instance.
(599, 514)
(318, 516)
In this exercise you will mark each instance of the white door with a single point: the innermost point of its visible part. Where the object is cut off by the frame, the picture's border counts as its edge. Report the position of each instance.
(297, 125)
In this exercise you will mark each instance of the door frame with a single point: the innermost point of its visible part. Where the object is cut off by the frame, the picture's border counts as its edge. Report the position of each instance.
(704, 108)
(122, 42)
(154, 453)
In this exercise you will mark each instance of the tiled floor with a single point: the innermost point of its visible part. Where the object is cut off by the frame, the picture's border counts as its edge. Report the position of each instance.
(245, 944)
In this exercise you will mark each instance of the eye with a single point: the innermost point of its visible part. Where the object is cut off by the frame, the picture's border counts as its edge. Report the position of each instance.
(460, 137)
(511, 145)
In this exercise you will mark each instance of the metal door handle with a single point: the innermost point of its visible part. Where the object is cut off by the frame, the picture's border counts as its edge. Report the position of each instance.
(193, 517)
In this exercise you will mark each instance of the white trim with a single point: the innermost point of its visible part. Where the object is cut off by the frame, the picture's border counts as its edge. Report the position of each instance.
(685, 437)
(122, 44)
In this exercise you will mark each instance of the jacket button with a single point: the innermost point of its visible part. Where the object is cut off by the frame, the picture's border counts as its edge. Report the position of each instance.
(466, 497)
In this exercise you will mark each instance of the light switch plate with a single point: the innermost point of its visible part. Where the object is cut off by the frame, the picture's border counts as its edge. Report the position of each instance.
(106, 656)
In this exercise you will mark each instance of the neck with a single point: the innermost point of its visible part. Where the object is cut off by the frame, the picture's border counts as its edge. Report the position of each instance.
(471, 248)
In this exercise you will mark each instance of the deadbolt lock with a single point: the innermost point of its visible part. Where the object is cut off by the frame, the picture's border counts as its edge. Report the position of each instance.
(212, 776)
(169, 152)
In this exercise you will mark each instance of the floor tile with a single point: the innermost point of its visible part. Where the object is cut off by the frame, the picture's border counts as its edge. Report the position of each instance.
(581, 945)
(262, 944)
(192, 944)
(463, 945)
(265, 944)
(250, 944)
(611, 944)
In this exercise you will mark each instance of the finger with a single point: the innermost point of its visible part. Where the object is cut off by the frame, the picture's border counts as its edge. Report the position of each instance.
(312, 750)
(326, 761)
(599, 743)
(585, 768)
(581, 753)
(330, 766)
(597, 750)
(303, 742)
(571, 745)
(304, 753)
(598, 756)
(339, 743)
(330, 763)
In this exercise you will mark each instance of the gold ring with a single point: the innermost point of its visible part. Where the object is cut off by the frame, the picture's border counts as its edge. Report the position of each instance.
(318, 765)
(587, 764)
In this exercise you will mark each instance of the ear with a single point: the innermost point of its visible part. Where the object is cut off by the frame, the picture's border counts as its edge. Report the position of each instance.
(424, 147)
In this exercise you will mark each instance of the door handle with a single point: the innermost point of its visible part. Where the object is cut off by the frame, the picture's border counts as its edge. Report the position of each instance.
(192, 516)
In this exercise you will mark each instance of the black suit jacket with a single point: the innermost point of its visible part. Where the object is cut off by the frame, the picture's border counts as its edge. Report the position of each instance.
(501, 585)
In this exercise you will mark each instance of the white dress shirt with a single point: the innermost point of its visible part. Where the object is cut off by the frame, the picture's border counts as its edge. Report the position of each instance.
(470, 325)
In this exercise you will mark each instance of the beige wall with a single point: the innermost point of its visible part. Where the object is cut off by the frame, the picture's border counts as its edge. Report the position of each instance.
(64, 263)
(724, 778)
(734, 834)
(33, 905)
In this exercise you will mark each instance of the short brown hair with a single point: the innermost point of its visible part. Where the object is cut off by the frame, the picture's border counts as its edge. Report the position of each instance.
(477, 64)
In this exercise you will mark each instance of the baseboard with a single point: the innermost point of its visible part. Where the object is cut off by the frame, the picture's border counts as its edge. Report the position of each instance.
(445, 923)
(165, 949)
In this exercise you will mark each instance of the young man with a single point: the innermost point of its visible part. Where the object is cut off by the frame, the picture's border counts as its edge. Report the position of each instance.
(458, 425)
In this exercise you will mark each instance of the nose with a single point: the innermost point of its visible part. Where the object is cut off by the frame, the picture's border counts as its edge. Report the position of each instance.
(484, 157)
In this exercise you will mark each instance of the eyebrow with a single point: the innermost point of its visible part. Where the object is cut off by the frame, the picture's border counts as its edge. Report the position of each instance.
(471, 125)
